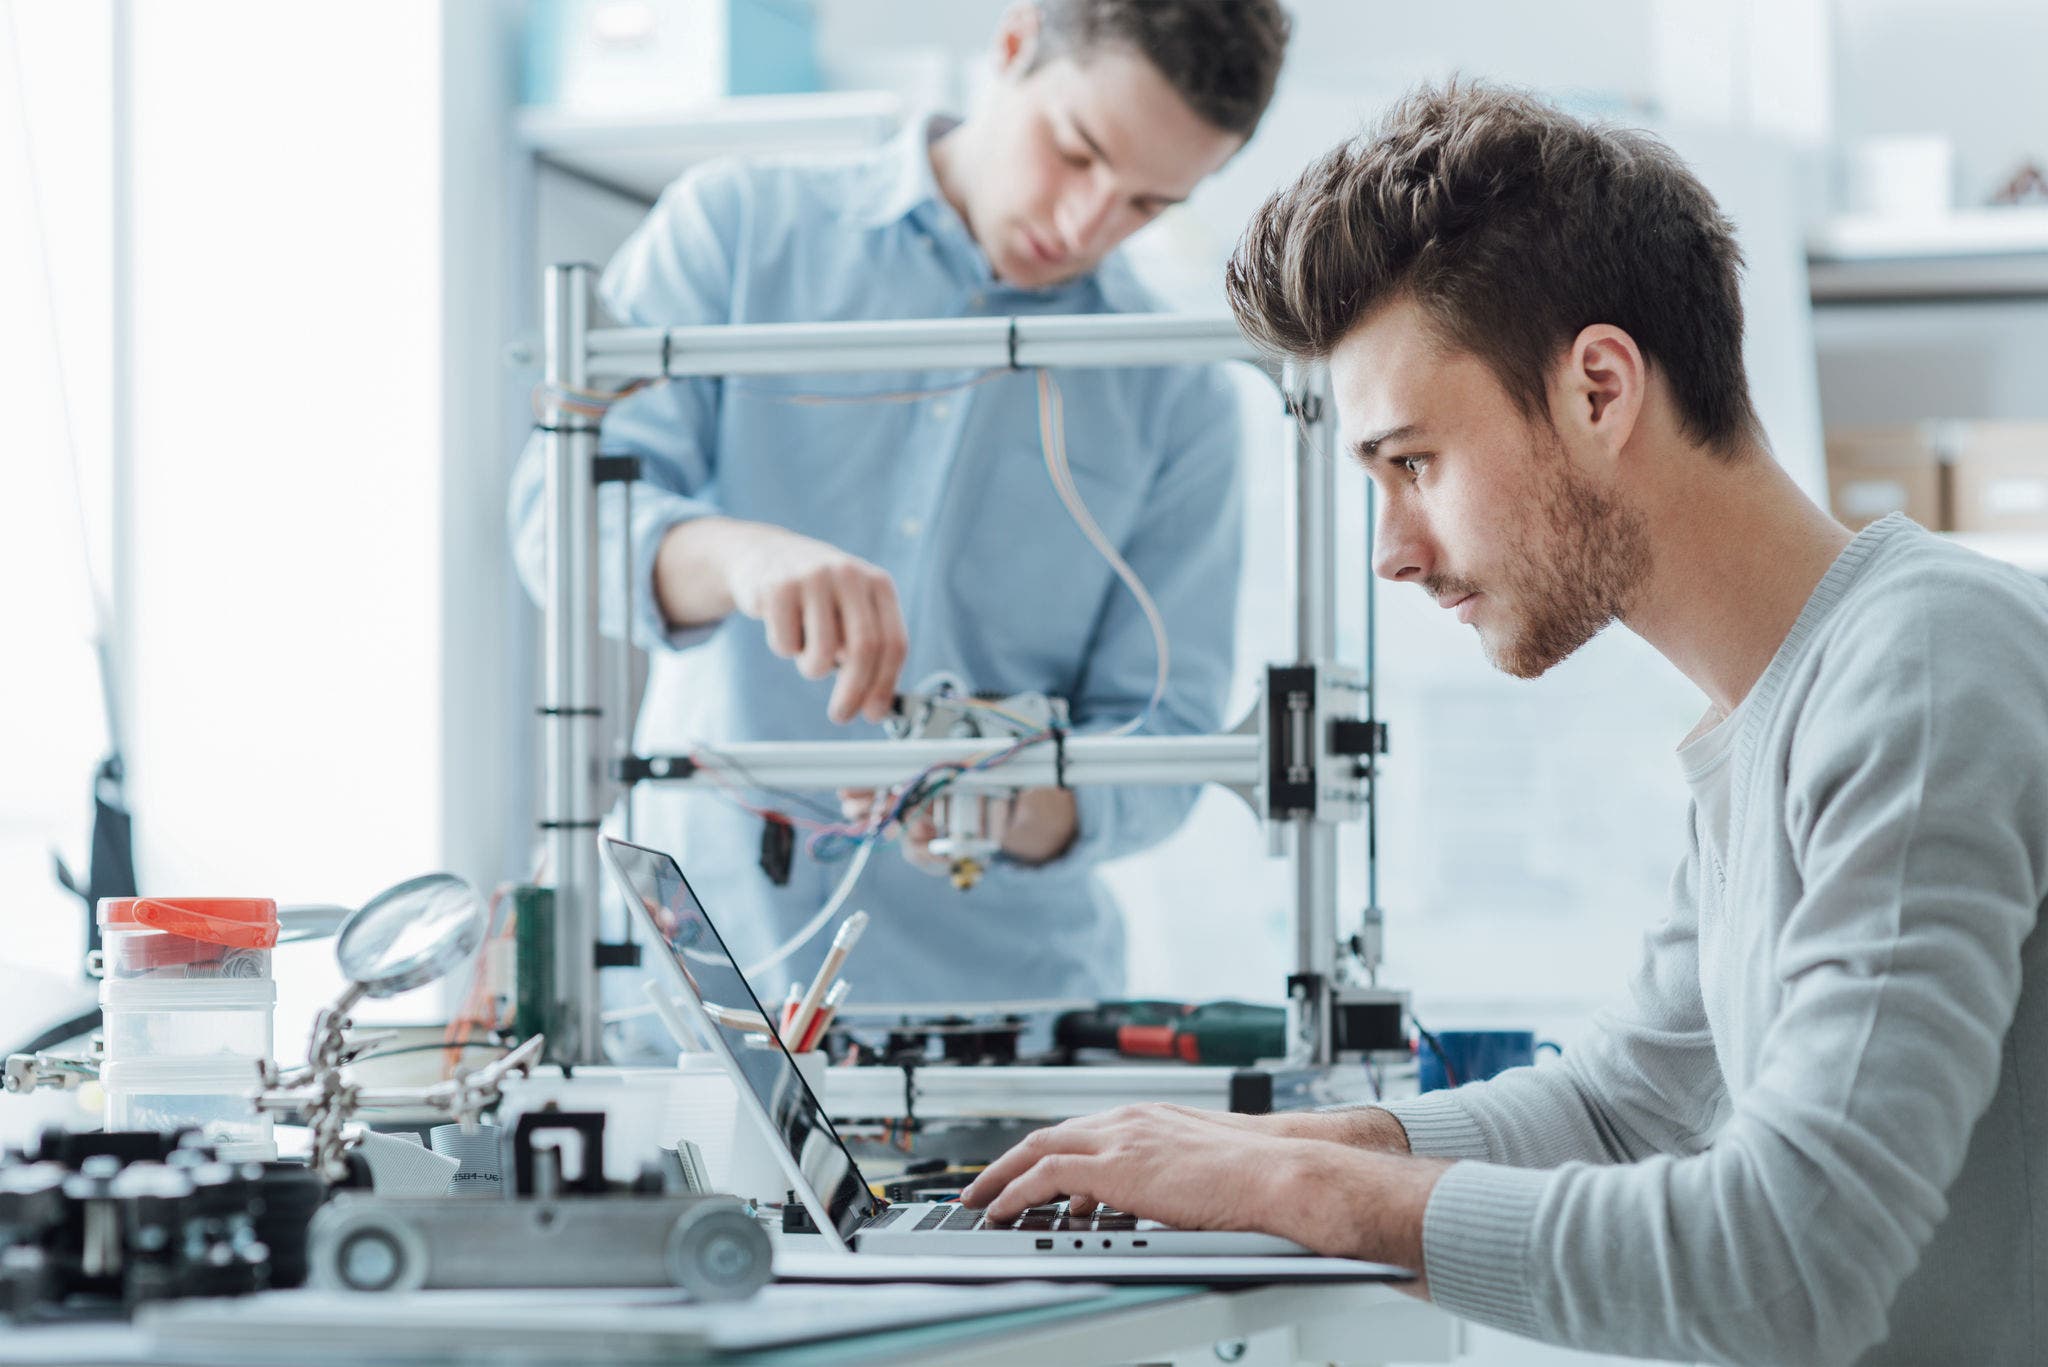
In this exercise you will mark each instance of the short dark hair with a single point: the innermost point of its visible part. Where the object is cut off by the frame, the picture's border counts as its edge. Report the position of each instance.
(1513, 226)
(1221, 56)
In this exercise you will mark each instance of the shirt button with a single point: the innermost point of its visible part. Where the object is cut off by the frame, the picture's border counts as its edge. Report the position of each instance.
(940, 409)
(911, 526)
(977, 301)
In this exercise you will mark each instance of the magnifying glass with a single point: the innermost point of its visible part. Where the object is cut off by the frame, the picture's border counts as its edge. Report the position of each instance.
(410, 935)
(310, 921)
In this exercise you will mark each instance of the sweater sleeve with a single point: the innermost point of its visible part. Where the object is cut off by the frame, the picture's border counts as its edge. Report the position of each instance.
(1916, 816)
(1645, 1081)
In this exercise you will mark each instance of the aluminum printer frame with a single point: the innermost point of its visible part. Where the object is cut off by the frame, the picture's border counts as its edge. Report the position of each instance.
(1307, 766)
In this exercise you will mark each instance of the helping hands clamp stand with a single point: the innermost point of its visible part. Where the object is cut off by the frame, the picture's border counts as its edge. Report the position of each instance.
(407, 937)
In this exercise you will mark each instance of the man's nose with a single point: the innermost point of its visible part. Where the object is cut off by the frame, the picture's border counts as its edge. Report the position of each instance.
(1398, 548)
(1086, 219)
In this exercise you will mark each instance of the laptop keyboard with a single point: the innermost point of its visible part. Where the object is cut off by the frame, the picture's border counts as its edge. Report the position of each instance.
(949, 1219)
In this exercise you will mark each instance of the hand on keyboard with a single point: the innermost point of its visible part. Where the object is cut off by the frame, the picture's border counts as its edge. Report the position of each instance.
(956, 1218)
(1183, 1167)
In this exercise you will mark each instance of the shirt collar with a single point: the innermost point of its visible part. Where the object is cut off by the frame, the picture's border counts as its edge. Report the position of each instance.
(903, 186)
(903, 177)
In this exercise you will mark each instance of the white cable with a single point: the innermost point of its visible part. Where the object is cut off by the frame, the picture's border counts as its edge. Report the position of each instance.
(783, 951)
(1052, 433)
(810, 930)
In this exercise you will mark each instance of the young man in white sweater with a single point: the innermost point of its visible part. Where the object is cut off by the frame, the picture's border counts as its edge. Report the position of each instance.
(1818, 1131)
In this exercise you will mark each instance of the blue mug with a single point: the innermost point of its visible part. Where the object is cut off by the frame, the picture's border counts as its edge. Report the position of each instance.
(1461, 1056)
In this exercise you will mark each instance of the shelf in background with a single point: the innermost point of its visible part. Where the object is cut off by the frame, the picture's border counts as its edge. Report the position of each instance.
(1964, 254)
(2028, 550)
(1962, 232)
(637, 155)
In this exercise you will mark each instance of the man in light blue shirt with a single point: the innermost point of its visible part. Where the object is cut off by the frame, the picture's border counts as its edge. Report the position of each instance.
(807, 545)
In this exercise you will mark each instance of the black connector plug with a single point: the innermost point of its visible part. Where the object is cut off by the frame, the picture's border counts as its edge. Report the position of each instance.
(778, 848)
(796, 1219)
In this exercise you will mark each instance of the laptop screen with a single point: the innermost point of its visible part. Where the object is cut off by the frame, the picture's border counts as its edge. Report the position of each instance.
(664, 906)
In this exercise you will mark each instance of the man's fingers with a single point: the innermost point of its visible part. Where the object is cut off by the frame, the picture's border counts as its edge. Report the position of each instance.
(782, 613)
(855, 803)
(919, 831)
(892, 646)
(1069, 1137)
(1048, 1179)
(860, 653)
(826, 610)
(997, 1175)
(821, 632)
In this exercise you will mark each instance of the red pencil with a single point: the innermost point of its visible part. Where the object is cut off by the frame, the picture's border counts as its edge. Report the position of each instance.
(814, 1034)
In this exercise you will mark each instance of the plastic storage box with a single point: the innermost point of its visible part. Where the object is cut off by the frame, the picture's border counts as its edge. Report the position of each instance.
(226, 1019)
(186, 937)
(210, 1095)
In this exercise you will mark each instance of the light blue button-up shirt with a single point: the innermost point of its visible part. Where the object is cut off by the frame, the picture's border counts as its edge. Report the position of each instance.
(947, 493)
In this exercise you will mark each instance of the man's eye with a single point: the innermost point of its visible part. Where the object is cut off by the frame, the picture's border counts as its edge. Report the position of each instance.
(1413, 464)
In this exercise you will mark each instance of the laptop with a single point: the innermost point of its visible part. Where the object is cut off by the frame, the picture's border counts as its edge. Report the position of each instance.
(698, 969)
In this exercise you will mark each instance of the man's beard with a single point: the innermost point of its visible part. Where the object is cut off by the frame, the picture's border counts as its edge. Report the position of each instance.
(1572, 568)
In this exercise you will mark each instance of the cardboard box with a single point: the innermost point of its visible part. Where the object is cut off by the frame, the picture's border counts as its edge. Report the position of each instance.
(1999, 476)
(1878, 470)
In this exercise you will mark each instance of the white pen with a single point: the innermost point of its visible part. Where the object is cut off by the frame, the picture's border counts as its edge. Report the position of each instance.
(844, 941)
(752, 1021)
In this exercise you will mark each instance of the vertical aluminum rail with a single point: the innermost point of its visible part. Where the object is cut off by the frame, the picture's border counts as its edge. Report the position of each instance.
(1314, 848)
(1373, 927)
(572, 796)
(623, 710)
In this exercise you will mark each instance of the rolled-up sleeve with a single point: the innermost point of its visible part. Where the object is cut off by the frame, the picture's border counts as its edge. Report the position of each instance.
(677, 269)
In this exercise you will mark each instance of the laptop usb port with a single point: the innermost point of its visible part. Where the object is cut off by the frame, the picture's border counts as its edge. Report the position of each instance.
(1042, 1243)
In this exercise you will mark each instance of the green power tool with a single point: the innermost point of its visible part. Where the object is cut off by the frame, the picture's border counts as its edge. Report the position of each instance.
(1226, 1032)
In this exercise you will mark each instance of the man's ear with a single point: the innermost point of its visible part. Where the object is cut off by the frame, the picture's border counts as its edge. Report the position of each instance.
(1603, 383)
(1017, 34)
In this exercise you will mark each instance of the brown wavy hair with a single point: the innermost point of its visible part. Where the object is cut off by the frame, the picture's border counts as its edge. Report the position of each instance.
(1513, 226)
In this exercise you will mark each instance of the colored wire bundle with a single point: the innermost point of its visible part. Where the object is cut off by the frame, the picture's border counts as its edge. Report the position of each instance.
(479, 1010)
(584, 403)
(922, 789)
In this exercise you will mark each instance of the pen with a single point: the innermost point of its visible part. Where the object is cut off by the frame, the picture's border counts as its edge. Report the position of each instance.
(842, 944)
(751, 1021)
(815, 1036)
(790, 1001)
